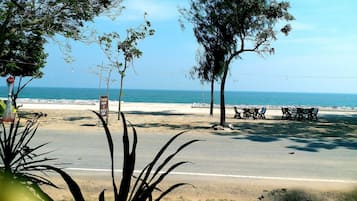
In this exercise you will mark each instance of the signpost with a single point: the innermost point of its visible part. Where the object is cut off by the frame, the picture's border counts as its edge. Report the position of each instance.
(104, 107)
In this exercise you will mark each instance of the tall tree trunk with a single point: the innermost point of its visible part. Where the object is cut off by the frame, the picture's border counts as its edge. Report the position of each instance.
(223, 105)
(122, 74)
(120, 93)
(212, 97)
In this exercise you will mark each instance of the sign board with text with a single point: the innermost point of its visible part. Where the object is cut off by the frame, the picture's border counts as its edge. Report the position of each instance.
(104, 107)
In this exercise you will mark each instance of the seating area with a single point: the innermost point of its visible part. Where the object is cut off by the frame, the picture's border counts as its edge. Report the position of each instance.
(298, 113)
(288, 113)
(253, 112)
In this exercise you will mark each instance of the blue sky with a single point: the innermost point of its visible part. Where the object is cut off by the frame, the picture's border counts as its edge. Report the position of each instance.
(319, 55)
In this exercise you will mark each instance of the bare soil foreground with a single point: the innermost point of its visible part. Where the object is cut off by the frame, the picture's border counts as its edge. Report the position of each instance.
(335, 129)
(208, 189)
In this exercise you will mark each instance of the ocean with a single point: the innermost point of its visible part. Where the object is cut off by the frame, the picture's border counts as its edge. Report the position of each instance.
(63, 95)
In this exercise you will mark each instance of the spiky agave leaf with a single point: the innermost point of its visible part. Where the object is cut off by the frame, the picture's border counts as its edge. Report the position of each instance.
(18, 157)
(128, 161)
(145, 176)
(169, 158)
(27, 153)
(101, 196)
(150, 187)
(172, 188)
(142, 189)
(146, 187)
(72, 185)
(111, 151)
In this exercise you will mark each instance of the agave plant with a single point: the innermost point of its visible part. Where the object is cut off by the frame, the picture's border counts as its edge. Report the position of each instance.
(20, 162)
(146, 182)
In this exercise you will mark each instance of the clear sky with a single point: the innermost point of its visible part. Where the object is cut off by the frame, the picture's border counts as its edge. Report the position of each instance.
(319, 55)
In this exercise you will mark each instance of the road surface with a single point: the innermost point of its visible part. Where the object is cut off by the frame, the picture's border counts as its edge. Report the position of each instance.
(214, 156)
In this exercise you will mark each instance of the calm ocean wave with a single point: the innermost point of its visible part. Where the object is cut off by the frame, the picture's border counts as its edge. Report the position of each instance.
(91, 96)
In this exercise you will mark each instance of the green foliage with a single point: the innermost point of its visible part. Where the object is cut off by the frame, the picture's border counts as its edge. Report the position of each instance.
(23, 54)
(24, 25)
(15, 189)
(20, 162)
(122, 53)
(146, 182)
(126, 51)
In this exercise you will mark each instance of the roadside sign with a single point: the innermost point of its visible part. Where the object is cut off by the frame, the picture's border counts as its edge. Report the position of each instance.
(104, 107)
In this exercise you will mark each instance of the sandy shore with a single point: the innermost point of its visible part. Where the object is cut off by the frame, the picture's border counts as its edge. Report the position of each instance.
(173, 118)
(159, 117)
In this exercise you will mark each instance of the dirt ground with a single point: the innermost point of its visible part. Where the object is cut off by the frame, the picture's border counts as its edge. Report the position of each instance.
(205, 189)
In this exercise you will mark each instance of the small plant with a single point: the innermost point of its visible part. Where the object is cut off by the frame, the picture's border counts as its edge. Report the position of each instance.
(288, 195)
(146, 182)
(349, 196)
(20, 162)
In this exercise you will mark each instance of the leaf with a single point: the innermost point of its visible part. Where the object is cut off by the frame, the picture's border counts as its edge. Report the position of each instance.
(148, 191)
(159, 154)
(44, 196)
(111, 150)
(72, 185)
(168, 159)
(169, 190)
(101, 196)
(146, 187)
(129, 161)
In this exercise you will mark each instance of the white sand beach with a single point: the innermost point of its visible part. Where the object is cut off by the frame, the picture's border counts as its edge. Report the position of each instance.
(185, 116)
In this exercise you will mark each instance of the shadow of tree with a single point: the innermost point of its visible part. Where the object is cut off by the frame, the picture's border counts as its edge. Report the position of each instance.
(329, 132)
(161, 113)
(77, 118)
(171, 126)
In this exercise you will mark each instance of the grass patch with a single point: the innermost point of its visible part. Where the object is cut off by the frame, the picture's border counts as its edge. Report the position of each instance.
(349, 196)
(289, 195)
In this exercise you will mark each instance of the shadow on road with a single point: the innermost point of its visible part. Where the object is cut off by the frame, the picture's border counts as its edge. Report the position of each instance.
(329, 132)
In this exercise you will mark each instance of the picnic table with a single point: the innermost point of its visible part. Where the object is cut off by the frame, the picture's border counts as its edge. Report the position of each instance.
(253, 112)
(299, 113)
(250, 112)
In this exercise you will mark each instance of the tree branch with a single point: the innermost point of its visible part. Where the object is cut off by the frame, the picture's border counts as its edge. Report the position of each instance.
(254, 49)
(20, 88)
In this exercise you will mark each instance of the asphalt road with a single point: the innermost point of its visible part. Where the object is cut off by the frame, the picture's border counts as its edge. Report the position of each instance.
(215, 155)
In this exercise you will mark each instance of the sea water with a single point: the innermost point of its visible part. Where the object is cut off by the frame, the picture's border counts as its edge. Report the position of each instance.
(89, 95)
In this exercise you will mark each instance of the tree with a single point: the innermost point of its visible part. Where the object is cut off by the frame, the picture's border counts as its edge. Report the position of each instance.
(121, 54)
(207, 71)
(228, 28)
(25, 26)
